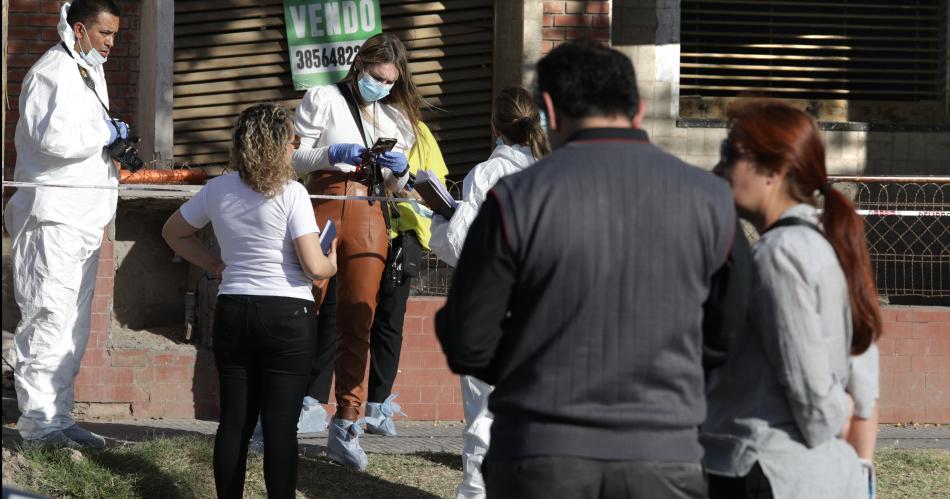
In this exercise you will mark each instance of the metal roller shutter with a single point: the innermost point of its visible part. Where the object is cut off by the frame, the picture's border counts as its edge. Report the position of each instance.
(848, 50)
(230, 54)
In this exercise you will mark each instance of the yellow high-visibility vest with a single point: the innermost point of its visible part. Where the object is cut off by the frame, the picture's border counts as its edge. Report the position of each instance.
(425, 154)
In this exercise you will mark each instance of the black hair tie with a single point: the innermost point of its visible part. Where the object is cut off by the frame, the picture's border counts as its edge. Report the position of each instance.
(825, 188)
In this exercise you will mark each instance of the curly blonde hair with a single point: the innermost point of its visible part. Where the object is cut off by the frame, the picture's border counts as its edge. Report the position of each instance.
(258, 151)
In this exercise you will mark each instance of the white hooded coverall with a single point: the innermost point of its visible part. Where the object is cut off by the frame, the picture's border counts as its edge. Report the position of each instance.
(448, 237)
(56, 232)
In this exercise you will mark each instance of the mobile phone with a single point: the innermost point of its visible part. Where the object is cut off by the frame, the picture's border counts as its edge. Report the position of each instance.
(382, 145)
(327, 235)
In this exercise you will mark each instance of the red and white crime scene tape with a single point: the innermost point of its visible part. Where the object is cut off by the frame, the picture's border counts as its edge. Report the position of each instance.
(186, 189)
(192, 189)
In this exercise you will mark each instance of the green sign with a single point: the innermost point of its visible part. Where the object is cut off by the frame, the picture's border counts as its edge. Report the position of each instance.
(324, 35)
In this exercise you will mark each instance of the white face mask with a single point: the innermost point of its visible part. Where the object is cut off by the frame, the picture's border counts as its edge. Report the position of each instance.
(92, 57)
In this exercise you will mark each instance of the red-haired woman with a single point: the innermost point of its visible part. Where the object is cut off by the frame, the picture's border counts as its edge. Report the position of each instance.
(779, 407)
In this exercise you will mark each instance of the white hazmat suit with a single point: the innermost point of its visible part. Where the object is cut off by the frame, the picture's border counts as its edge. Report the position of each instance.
(448, 237)
(56, 232)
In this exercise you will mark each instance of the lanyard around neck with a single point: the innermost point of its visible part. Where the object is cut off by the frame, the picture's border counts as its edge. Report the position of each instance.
(86, 78)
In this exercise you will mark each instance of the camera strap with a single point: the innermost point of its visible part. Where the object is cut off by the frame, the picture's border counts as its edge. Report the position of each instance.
(354, 109)
(377, 178)
(84, 73)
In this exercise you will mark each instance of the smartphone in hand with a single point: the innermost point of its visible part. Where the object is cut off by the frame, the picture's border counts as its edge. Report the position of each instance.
(327, 235)
(382, 145)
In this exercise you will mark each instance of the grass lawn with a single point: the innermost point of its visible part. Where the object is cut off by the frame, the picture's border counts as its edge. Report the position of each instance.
(181, 467)
(915, 473)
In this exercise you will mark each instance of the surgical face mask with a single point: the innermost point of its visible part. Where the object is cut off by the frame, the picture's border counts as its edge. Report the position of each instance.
(544, 120)
(372, 90)
(92, 57)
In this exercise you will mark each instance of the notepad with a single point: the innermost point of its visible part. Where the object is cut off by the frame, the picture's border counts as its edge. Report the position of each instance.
(327, 235)
(434, 193)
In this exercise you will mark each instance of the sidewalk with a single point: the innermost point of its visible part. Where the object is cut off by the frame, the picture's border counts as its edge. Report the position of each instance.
(913, 437)
(414, 436)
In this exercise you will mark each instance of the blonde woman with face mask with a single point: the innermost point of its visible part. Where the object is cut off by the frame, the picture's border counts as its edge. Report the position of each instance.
(337, 125)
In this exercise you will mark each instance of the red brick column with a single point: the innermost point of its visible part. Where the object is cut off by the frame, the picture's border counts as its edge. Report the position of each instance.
(93, 377)
(140, 382)
(915, 365)
(427, 389)
(564, 21)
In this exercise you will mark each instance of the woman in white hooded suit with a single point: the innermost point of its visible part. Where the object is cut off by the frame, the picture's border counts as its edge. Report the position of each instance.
(520, 142)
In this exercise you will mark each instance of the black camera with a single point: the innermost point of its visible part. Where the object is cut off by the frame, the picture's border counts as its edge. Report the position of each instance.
(124, 151)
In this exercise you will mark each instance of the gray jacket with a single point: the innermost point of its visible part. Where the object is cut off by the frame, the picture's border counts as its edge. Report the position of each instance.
(780, 399)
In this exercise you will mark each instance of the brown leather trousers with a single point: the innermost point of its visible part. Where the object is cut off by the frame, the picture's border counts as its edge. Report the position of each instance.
(362, 243)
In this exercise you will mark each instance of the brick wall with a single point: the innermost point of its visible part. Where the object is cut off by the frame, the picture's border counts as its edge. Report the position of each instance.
(915, 365)
(32, 31)
(915, 368)
(574, 20)
(140, 382)
(426, 387)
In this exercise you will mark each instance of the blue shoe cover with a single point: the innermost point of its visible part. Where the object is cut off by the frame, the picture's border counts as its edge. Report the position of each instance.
(313, 417)
(343, 444)
(379, 416)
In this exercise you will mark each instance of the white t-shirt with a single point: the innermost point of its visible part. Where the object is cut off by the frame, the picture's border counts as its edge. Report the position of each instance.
(256, 235)
(323, 118)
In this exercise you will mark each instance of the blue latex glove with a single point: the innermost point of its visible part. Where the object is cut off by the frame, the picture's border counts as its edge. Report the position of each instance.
(395, 161)
(122, 132)
(346, 153)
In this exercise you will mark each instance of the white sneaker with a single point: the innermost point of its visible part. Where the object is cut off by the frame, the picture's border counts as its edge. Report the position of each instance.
(84, 437)
(55, 438)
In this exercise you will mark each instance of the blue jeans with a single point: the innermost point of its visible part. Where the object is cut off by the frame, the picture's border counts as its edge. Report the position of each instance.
(263, 348)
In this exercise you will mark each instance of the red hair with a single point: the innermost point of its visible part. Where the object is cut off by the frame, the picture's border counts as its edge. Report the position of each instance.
(777, 137)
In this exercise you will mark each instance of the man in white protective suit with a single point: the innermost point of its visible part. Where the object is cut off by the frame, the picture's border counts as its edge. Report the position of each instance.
(56, 232)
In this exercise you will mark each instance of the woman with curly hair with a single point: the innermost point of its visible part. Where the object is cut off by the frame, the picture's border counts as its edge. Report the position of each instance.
(265, 330)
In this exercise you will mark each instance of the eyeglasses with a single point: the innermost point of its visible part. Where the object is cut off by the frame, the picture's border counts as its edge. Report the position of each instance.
(729, 153)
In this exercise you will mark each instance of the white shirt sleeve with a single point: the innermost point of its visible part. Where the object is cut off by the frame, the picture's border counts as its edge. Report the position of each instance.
(310, 121)
(301, 220)
(195, 210)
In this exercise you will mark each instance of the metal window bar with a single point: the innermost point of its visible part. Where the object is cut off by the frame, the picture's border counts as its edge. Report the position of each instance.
(910, 254)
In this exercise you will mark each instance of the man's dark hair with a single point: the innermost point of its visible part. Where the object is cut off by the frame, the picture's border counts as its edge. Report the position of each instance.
(586, 78)
(86, 11)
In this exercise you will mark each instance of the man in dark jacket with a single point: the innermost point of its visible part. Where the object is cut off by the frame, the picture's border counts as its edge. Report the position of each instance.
(580, 294)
